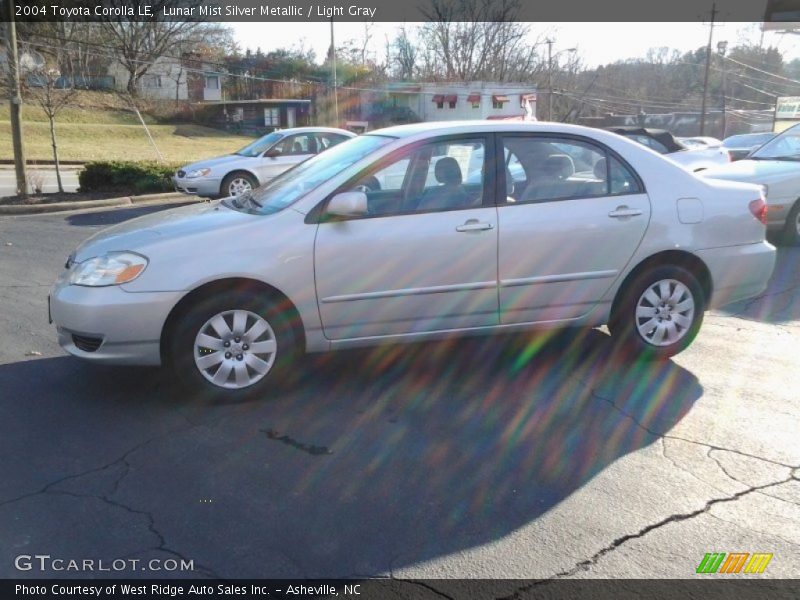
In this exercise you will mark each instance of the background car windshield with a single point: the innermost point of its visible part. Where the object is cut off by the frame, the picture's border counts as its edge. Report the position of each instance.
(748, 139)
(289, 187)
(785, 146)
(261, 144)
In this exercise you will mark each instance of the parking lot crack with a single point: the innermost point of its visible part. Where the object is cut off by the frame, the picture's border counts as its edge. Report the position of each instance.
(660, 434)
(151, 526)
(587, 564)
(684, 469)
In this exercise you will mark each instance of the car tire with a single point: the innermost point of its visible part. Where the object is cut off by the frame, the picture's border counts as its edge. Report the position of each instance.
(238, 180)
(231, 346)
(791, 230)
(658, 313)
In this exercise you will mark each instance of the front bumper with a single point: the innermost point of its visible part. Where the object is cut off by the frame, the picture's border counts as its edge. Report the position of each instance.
(738, 272)
(110, 325)
(207, 187)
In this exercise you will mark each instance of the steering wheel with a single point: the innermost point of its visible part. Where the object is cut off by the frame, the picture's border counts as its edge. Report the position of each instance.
(370, 184)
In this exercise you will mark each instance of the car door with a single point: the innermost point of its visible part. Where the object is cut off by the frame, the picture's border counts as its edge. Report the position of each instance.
(567, 229)
(285, 154)
(423, 259)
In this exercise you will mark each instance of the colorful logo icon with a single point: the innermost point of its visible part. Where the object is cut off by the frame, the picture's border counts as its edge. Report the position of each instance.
(735, 562)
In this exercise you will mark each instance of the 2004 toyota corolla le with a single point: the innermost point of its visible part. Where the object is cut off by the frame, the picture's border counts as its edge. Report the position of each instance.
(418, 232)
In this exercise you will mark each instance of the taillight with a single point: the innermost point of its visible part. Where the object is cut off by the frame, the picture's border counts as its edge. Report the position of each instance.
(759, 210)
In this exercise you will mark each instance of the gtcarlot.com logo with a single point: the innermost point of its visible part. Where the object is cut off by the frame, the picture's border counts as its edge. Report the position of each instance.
(734, 562)
(45, 562)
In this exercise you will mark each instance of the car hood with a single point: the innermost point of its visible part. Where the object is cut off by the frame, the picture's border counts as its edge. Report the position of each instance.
(217, 161)
(138, 235)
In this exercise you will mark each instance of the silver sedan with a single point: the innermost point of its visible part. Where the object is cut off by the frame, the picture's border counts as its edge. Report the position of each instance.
(412, 233)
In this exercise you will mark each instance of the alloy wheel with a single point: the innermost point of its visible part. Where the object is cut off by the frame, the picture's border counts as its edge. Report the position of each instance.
(234, 349)
(665, 312)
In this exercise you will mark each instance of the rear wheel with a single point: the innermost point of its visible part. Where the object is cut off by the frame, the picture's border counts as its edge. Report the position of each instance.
(659, 313)
(791, 231)
(237, 183)
(231, 346)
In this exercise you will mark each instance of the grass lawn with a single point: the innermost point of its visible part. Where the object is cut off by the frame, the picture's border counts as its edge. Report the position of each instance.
(91, 134)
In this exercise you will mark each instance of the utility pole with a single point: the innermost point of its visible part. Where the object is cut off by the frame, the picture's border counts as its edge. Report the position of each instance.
(722, 46)
(549, 79)
(333, 67)
(15, 101)
(708, 64)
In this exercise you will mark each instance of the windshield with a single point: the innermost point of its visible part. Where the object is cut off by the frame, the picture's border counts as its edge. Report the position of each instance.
(785, 146)
(256, 148)
(290, 186)
(747, 139)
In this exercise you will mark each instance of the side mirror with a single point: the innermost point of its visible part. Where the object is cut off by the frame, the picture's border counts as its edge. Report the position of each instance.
(348, 204)
(273, 153)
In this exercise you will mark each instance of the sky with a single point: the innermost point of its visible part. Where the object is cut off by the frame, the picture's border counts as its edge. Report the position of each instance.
(596, 43)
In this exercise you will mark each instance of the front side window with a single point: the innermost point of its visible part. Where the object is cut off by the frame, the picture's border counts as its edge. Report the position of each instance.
(445, 175)
(543, 169)
(304, 143)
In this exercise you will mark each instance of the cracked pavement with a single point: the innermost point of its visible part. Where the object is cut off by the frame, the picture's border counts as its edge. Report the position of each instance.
(537, 457)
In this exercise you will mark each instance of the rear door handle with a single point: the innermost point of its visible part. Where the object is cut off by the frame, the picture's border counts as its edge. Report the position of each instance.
(623, 212)
(474, 225)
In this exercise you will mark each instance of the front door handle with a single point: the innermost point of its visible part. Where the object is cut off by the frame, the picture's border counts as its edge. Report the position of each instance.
(623, 212)
(474, 225)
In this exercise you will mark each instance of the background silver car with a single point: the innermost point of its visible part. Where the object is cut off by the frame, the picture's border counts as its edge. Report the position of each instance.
(256, 163)
(384, 239)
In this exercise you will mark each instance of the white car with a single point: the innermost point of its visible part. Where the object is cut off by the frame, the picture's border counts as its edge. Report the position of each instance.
(695, 157)
(256, 163)
(383, 239)
(776, 166)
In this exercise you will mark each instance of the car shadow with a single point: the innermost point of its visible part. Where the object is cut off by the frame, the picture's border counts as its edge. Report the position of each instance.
(373, 459)
(780, 302)
(114, 216)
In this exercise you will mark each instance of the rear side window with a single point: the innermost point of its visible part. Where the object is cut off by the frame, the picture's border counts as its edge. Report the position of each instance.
(621, 179)
(544, 169)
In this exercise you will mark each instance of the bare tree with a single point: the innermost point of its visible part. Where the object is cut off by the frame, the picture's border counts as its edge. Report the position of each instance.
(477, 39)
(405, 54)
(139, 44)
(51, 92)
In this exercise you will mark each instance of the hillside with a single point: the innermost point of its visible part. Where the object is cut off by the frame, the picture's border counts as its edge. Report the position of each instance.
(99, 127)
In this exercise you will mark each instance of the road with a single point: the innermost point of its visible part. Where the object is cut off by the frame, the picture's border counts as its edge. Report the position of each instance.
(512, 457)
(44, 175)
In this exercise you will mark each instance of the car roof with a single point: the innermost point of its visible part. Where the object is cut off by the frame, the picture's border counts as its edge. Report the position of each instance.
(293, 130)
(481, 126)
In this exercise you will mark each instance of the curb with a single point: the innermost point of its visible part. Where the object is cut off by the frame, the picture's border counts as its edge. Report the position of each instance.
(123, 202)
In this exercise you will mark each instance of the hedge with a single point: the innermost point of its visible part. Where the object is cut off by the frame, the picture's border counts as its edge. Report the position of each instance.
(127, 177)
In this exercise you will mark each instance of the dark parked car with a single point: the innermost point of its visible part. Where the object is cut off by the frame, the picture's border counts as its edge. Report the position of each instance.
(662, 141)
(740, 146)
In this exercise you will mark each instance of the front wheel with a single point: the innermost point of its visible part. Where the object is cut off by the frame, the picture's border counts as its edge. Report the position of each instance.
(658, 314)
(231, 346)
(237, 183)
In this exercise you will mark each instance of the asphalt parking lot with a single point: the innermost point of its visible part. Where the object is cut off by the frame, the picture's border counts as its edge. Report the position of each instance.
(528, 456)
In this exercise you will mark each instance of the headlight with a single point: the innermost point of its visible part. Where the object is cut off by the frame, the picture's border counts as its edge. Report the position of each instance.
(113, 268)
(198, 173)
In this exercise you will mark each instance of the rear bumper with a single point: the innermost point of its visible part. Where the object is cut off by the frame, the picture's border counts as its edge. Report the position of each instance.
(738, 272)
